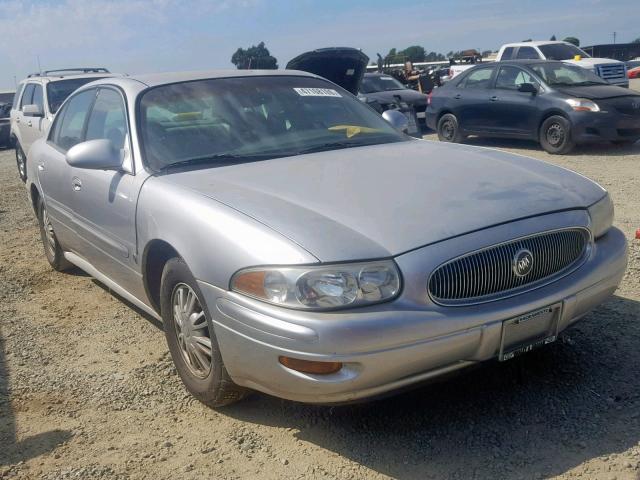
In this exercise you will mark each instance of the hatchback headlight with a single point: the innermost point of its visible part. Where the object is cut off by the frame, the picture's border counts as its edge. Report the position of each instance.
(582, 105)
(601, 214)
(320, 287)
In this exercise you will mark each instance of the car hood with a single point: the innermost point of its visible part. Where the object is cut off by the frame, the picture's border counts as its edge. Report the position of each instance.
(406, 95)
(380, 201)
(598, 92)
(586, 62)
(343, 66)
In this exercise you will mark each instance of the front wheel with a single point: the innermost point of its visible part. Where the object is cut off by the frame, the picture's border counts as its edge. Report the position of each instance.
(449, 129)
(555, 135)
(21, 161)
(191, 338)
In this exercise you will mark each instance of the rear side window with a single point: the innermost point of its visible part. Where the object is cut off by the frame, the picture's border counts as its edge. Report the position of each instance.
(68, 129)
(480, 78)
(507, 54)
(28, 95)
(527, 53)
(37, 97)
(108, 118)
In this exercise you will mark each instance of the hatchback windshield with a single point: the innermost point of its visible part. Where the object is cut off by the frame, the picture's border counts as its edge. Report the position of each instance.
(58, 91)
(250, 118)
(380, 83)
(561, 51)
(561, 74)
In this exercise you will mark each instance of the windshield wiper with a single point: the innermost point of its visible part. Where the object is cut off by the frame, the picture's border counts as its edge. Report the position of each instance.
(330, 146)
(217, 158)
(589, 82)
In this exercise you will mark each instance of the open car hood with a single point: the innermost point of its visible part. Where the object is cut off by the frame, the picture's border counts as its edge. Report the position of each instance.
(343, 66)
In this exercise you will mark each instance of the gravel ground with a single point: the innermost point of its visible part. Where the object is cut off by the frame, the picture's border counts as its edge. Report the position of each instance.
(88, 391)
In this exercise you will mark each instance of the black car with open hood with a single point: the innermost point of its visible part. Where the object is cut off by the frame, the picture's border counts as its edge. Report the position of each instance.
(343, 66)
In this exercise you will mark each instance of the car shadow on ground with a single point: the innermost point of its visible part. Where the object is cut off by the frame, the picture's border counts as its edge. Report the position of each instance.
(12, 450)
(602, 149)
(536, 416)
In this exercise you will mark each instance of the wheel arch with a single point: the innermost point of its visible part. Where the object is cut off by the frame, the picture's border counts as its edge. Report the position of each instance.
(156, 254)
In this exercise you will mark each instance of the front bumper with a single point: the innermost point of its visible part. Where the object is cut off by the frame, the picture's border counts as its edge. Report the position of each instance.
(608, 126)
(390, 346)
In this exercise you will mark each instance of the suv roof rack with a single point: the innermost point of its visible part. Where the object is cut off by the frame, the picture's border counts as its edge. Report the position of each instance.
(70, 70)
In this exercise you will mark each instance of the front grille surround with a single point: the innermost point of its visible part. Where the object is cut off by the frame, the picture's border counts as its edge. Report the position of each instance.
(611, 71)
(489, 263)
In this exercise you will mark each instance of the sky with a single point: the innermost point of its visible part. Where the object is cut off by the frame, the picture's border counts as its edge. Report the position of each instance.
(139, 36)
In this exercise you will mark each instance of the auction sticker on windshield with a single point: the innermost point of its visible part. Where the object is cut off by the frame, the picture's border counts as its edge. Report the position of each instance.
(317, 92)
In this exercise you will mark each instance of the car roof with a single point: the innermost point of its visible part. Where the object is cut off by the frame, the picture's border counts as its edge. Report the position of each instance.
(537, 43)
(377, 74)
(154, 79)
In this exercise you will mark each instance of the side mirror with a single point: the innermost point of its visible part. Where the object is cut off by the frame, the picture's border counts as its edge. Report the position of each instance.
(527, 88)
(95, 155)
(397, 120)
(33, 110)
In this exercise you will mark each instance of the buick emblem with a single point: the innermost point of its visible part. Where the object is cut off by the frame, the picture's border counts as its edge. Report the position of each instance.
(522, 262)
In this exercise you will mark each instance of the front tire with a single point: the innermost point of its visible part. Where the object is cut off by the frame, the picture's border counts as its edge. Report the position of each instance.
(52, 249)
(191, 338)
(449, 129)
(555, 135)
(21, 162)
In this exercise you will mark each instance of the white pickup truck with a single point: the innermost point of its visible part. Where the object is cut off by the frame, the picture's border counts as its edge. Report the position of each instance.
(612, 71)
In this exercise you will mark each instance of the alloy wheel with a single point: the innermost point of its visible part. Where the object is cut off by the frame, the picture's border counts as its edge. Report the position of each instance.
(22, 165)
(48, 232)
(192, 330)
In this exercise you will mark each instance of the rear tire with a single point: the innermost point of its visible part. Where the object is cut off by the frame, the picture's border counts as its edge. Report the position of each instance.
(52, 249)
(21, 162)
(191, 338)
(448, 129)
(555, 135)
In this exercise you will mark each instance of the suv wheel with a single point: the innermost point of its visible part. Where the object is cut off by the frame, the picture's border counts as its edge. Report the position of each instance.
(52, 249)
(555, 135)
(191, 338)
(448, 129)
(21, 161)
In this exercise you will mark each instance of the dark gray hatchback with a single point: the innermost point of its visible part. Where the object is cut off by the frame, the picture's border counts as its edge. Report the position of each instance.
(555, 103)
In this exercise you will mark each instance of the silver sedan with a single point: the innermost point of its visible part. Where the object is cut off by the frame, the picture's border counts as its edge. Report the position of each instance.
(294, 242)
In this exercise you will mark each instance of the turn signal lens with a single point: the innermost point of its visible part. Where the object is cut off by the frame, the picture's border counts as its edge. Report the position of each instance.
(308, 366)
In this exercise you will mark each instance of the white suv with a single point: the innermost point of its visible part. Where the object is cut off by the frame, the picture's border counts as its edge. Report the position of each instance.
(36, 102)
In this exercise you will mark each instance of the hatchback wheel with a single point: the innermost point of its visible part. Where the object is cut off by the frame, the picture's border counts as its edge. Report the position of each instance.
(191, 338)
(52, 249)
(21, 161)
(448, 129)
(555, 135)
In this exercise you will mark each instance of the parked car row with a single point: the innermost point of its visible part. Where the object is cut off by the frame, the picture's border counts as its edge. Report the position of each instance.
(293, 242)
(556, 103)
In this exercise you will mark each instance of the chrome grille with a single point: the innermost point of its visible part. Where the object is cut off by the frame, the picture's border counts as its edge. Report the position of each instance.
(488, 274)
(611, 71)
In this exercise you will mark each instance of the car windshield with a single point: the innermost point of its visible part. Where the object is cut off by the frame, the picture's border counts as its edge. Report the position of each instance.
(217, 121)
(59, 90)
(561, 74)
(561, 51)
(380, 83)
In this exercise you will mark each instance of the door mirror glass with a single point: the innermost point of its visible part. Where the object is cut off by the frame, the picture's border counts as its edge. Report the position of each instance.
(397, 120)
(95, 155)
(527, 88)
(32, 110)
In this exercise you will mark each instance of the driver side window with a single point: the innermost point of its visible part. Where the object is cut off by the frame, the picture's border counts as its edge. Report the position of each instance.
(108, 119)
(510, 78)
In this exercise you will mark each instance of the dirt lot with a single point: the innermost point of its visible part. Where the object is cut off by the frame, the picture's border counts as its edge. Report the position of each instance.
(87, 389)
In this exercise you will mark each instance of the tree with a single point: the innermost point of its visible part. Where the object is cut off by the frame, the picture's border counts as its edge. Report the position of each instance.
(254, 57)
(572, 40)
(414, 53)
(553, 38)
(637, 40)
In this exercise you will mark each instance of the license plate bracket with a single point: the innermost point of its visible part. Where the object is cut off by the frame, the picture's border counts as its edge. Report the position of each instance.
(529, 331)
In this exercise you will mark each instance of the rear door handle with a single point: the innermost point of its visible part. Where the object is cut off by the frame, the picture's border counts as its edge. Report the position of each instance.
(29, 123)
(77, 184)
(494, 98)
(458, 96)
(41, 167)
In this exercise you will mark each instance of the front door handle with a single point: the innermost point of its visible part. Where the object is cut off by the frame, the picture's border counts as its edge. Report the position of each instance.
(77, 184)
(494, 98)
(458, 96)
(41, 167)
(29, 123)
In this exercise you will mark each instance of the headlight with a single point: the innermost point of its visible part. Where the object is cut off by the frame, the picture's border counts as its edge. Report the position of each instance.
(321, 287)
(582, 105)
(601, 214)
